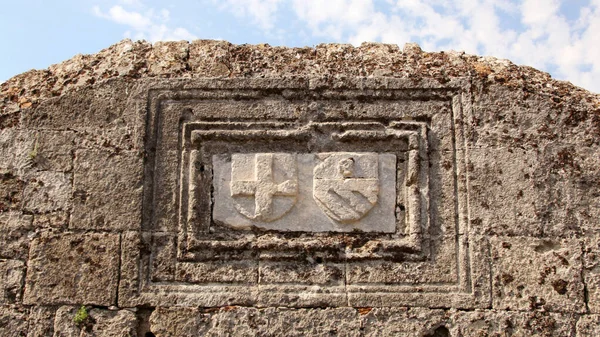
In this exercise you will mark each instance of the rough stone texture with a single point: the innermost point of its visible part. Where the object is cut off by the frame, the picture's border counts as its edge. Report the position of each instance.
(47, 191)
(249, 322)
(36, 150)
(239, 321)
(588, 325)
(532, 274)
(11, 280)
(41, 321)
(11, 191)
(73, 268)
(13, 321)
(14, 230)
(106, 195)
(591, 273)
(99, 323)
(507, 323)
(99, 176)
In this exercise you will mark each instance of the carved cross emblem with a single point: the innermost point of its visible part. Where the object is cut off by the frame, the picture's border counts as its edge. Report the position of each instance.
(264, 185)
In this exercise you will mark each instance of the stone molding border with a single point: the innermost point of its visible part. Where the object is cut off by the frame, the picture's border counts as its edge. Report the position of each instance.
(443, 265)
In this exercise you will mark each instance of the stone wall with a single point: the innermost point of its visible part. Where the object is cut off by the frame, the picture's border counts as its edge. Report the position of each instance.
(205, 188)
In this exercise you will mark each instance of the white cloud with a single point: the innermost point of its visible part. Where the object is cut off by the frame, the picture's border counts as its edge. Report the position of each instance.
(541, 36)
(531, 32)
(262, 12)
(132, 3)
(334, 17)
(539, 11)
(147, 24)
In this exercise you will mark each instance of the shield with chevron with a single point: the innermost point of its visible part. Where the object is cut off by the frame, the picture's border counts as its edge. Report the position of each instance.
(346, 184)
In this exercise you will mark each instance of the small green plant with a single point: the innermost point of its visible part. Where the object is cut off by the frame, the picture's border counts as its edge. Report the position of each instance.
(34, 152)
(81, 315)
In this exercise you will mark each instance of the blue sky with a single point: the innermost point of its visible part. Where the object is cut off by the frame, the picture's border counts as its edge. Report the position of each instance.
(561, 37)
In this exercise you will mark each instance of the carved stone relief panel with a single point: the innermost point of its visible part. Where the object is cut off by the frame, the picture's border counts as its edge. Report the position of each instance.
(294, 193)
(322, 192)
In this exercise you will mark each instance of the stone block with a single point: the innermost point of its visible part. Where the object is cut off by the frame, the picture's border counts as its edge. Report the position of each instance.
(503, 194)
(240, 321)
(14, 150)
(57, 220)
(11, 191)
(402, 322)
(169, 58)
(47, 191)
(569, 177)
(13, 321)
(52, 150)
(14, 230)
(36, 150)
(588, 325)
(41, 321)
(510, 118)
(73, 268)
(209, 58)
(107, 190)
(537, 274)
(103, 107)
(510, 323)
(99, 323)
(591, 272)
(12, 273)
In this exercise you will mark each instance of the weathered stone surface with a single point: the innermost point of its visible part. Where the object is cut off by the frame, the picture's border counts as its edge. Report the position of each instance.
(106, 190)
(11, 191)
(144, 168)
(402, 321)
(571, 172)
(511, 323)
(58, 220)
(29, 150)
(99, 323)
(13, 321)
(588, 325)
(209, 58)
(537, 274)
(591, 272)
(14, 231)
(12, 273)
(504, 192)
(73, 268)
(240, 321)
(41, 321)
(47, 191)
(52, 150)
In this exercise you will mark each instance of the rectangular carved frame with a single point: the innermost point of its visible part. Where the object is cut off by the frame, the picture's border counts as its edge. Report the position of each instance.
(431, 261)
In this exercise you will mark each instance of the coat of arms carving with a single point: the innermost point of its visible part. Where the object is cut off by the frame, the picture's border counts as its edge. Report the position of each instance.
(346, 185)
(264, 186)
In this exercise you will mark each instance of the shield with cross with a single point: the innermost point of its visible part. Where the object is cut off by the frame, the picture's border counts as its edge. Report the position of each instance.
(264, 186)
